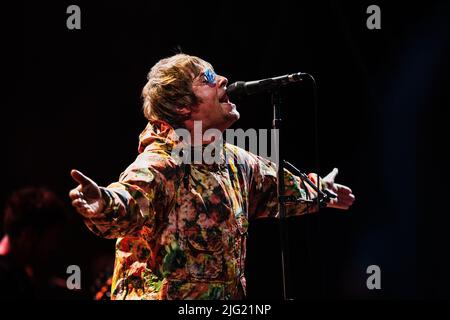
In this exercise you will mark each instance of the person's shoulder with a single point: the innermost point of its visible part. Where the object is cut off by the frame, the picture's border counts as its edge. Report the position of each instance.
(153, 161)
(236, 151)
(157, 156)
(252, 162)
(241, 156)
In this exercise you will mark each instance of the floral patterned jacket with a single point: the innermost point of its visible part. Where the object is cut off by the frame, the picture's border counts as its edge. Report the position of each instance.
(181, 228)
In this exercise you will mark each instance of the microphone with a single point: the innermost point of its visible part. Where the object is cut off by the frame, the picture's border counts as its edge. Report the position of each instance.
(240, 88)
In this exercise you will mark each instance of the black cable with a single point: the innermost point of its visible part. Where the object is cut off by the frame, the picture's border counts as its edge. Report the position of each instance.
(316, 133)
(316, 151)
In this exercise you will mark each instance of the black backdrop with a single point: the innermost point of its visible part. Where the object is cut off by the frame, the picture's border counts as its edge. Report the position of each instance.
(74, 102)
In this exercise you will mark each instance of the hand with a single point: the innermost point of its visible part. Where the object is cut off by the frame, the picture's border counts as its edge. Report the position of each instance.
(344, 197)
(86, 197)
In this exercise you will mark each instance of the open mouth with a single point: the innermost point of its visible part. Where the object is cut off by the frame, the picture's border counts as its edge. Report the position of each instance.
(224, 99)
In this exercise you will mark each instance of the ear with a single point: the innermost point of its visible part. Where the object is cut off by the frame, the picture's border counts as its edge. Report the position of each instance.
(184, 111)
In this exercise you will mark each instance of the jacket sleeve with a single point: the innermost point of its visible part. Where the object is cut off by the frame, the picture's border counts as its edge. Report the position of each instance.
(263, 197)
(143, 196)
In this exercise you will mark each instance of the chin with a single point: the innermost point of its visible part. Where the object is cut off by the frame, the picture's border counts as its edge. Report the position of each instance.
(237, 115)
(233, 116)
(233, 112)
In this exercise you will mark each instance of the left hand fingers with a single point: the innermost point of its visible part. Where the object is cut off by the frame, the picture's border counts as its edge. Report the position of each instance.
(336, 204)
(341, 188)
(343, 200)
(342, 192)
(345, 196)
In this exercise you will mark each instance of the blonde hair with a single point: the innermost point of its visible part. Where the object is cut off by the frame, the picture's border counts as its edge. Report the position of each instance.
(169, 87)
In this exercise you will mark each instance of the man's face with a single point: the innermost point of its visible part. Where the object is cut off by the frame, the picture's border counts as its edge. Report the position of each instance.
(215, 109)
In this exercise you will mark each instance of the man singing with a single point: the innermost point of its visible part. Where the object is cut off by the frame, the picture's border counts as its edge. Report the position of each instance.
(181, 227)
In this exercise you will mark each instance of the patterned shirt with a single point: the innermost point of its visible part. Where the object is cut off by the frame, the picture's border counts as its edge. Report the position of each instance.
(181, 229)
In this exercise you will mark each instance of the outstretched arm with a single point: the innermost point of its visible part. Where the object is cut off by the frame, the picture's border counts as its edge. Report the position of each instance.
(263, 191)
(140, 197)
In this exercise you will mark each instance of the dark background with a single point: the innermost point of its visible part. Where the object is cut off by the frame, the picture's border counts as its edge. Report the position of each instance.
(73, 101)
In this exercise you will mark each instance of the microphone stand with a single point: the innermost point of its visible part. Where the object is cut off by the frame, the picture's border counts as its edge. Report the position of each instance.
(322, 196)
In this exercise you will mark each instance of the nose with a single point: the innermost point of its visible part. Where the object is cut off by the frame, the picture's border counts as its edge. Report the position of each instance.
(222, 82)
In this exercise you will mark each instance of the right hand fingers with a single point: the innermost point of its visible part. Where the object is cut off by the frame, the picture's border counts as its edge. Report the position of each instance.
(76, 193)
(82, 207)
(80, 178)
(79, 203)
